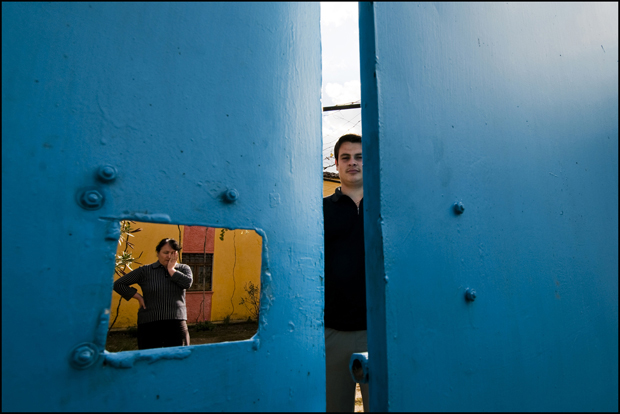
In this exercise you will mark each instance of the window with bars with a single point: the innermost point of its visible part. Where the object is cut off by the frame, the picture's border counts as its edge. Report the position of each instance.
(202, 269)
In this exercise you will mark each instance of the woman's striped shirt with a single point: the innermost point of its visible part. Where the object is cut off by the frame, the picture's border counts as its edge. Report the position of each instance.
(164, 295)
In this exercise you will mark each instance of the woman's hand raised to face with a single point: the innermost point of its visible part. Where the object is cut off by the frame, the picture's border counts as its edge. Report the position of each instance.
(174, 257)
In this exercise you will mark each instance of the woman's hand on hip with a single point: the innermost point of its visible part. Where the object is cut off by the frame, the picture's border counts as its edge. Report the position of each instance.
(140, 299)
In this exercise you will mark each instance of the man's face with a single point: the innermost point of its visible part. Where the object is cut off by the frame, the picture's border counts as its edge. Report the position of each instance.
(349, 163)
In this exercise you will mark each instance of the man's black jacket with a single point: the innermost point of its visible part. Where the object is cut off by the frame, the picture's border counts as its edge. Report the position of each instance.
(345, 282)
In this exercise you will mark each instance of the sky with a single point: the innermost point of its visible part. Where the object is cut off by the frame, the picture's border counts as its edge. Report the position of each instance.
(341, 73)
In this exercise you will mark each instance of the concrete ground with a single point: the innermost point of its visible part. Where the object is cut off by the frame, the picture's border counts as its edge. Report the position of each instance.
(359, 406)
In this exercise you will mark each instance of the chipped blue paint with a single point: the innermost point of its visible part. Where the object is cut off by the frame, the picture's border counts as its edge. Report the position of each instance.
(113, 230)
(129, 358)
(185, 101)
(101, 332)
(511, 109)
(151, 218)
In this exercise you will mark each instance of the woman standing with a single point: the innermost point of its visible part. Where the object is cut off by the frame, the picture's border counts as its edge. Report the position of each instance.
(162, 314)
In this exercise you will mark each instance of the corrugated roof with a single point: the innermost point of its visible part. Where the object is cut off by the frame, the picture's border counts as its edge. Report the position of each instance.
(331, 176)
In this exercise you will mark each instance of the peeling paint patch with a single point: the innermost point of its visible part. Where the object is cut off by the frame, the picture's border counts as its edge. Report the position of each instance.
(113, 230)
(274, 199)
(215, 188)
(101, 331)
(266, 293)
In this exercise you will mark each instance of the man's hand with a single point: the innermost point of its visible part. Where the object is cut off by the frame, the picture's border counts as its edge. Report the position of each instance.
(173, 262)
(140, 299)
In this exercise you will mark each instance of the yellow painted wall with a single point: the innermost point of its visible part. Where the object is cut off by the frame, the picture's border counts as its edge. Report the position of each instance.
(236, 261)
(248, 247)
(144, 241)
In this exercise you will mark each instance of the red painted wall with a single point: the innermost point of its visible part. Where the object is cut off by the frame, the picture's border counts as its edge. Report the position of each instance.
(195, 311)
(194, 239)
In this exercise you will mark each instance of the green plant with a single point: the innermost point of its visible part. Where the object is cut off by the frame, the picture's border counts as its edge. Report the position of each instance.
(226, 320)
(252, 300)
(125, 259)
(222, 234)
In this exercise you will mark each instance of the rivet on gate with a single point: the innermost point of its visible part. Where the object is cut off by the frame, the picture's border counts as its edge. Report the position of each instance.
(470, 295)
(106, 173)
(84, 355)
(459, 208)
(90, 199)
(231, 195)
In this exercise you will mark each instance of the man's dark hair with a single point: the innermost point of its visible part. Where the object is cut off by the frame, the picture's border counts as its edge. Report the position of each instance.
(172, 242)
(353, 138)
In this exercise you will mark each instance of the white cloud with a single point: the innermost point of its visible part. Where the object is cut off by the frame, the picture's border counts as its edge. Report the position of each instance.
(341, 85)
(340, 50)
(336, 13)
(341, 93)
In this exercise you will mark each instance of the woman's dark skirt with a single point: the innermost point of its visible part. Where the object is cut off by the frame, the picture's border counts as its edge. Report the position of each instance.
(162, 334)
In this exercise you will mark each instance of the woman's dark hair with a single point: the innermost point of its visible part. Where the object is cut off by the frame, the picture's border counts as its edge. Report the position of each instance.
(352, 138)
(172, 242)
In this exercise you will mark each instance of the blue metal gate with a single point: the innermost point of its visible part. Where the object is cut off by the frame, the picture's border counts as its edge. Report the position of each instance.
(491, 164)
(154, 112)
(490, 141)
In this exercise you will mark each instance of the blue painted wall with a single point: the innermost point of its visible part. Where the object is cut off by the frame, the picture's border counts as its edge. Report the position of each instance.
(511, 109)
(186, 101)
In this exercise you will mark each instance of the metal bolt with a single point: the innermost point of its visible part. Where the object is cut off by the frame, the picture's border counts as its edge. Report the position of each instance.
(358, 366)
(459, 208)
(470, 295)
(106, 173)
(84, 355)
(90, 199)
(231, 195)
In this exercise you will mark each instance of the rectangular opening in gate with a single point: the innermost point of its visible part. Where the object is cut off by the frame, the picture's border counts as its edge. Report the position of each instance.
(215, 285)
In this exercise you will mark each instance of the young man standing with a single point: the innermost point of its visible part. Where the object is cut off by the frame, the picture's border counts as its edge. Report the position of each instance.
(345, 280)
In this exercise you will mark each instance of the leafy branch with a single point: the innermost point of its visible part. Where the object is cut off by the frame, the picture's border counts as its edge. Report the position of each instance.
(125, 259)
(252, 300)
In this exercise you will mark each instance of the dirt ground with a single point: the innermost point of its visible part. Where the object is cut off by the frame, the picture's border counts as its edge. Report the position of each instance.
(126, 340)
